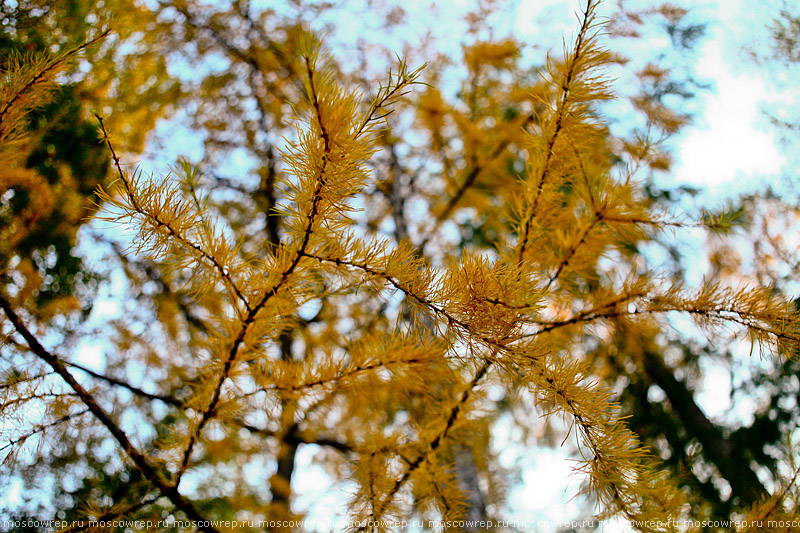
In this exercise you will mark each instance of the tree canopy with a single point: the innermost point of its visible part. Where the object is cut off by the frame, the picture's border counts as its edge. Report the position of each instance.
(382, 268)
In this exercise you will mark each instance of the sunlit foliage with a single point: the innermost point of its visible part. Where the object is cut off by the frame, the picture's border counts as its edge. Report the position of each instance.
(331, 304)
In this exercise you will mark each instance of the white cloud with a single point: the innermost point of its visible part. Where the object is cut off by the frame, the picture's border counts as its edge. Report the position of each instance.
(727, 142)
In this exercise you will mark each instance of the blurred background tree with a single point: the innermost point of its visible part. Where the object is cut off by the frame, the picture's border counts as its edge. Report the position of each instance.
(237, 72)
(43, 209)
(61, 139)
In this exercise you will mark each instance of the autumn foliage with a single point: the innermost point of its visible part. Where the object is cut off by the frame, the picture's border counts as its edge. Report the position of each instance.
(346, 314)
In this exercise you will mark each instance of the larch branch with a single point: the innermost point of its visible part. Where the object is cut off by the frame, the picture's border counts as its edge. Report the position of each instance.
(182, 239)
(209, 411)
(148, 470)
(561, 111)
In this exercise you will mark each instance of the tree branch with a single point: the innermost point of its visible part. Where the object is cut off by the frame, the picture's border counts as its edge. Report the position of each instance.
(149, 471)
(134, 389)
(566, 87)
(138, 208)
(208, 412)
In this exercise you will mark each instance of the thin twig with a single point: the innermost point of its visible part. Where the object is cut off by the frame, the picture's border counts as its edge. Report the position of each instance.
(148, 470)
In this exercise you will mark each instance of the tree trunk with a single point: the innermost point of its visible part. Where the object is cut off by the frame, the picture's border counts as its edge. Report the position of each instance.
(469, 483)
(280, 483)
(732, 464)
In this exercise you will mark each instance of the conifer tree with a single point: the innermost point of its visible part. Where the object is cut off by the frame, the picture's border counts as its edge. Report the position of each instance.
(59, 142)
(315, 325)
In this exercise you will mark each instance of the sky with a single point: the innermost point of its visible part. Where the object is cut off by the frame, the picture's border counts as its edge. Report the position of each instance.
(729, 148)
(731, 141)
